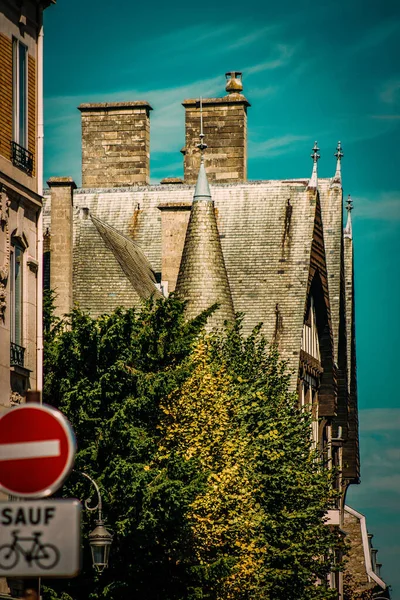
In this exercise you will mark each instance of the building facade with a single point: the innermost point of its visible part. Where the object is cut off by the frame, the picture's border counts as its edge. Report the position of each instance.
(21, 175)
(21, 169)
(276, 251)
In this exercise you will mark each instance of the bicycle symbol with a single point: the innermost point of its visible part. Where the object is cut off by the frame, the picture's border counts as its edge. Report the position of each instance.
(46, 556)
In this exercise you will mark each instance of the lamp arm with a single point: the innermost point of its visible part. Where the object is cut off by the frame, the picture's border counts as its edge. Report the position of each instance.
(99, 505)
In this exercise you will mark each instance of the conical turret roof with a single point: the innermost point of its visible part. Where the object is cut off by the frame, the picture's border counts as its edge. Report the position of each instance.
(202, 279)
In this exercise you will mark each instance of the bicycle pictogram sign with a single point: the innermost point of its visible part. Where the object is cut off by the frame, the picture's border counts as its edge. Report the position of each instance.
(40, 538)
(46, 556)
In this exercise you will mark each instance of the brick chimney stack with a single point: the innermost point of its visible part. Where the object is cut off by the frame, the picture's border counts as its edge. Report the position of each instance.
(225, 129)
(115, 144)
(62, 189)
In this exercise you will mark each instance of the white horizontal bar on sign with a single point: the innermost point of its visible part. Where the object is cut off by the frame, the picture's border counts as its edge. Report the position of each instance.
(45, 449)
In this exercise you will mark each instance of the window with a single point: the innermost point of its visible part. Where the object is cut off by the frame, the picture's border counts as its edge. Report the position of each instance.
(310, 341)
(20, 93)
(309, 401)
(16, 268)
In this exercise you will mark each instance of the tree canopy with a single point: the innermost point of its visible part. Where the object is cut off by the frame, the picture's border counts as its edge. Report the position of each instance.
(208, 475)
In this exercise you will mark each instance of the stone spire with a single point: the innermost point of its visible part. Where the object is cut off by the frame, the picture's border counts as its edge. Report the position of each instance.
(313, 183)
(202, 279)
(348, 231)
(337, 179)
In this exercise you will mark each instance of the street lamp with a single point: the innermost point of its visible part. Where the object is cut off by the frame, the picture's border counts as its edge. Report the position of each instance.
(99, 539)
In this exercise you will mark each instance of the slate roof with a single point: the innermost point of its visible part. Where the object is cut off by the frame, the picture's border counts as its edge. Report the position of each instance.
(267, 259)
(332, 218)
(131, 259)
(202, 279)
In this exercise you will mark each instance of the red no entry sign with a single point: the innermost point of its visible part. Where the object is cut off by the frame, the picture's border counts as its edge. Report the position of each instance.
(37, 450)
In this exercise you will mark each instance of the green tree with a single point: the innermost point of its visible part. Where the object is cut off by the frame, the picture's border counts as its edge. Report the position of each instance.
(257, 525)
(209, 480)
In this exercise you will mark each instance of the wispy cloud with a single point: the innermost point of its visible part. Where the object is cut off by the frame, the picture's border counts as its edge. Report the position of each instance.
(380, 419)
(386, 117)
(380, 464)
(391, 91)
(382, 207)
(253, 36)
(376, 36)
(276, 146)
(187, 38)
(283, 54)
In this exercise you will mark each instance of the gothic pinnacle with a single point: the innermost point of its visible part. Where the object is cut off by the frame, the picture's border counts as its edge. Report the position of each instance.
(339, 155)
(313, 183)
(348, 230)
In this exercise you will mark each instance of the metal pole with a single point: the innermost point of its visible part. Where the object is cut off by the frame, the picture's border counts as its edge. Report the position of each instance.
(99, 504)
(32, 592)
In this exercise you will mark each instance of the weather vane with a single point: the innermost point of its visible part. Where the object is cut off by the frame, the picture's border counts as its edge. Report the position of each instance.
(202, 145)
(315, 156)
(339, 153)
(349, 204)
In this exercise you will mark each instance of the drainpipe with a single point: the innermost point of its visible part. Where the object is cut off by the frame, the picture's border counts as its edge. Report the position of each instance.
(39, 164)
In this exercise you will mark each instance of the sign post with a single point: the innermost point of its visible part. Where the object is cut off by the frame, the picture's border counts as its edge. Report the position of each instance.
(41, 537)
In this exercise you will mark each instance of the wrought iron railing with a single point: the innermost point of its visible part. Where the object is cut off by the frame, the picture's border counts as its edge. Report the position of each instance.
(16, 355)
(22, 158)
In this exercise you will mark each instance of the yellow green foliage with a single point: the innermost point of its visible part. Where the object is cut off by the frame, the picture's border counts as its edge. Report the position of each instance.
(258, 520)
(209, 481)
(225, 517)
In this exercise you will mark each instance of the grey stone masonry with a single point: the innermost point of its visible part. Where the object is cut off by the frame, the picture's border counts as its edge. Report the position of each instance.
(61, 242)
(225, 129)
(115, 144)
(351, 450)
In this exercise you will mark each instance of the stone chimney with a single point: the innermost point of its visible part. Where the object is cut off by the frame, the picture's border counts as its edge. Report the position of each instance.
(115, 144)
(225, 129)
(61, 242)
(202, 279)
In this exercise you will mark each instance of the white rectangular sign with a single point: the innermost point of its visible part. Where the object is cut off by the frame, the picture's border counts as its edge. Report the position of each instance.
(40, 538)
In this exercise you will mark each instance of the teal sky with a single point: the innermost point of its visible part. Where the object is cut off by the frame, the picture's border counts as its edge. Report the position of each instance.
(312, 71)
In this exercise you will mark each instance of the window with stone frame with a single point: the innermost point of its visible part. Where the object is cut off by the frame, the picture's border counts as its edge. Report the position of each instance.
(20, 93)
(16, 294)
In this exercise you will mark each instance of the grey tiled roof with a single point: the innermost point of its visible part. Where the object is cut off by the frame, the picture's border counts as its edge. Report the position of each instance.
(332, 217)
(131, 259)
(202, 279)
(266, 267)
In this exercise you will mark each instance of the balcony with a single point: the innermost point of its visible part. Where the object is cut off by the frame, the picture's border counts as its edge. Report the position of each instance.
(22, 158)
(16, 355)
